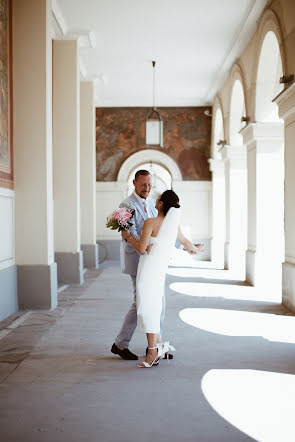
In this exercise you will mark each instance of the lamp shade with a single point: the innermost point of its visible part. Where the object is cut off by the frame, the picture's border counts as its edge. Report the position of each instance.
(154, 133)
(154, 129)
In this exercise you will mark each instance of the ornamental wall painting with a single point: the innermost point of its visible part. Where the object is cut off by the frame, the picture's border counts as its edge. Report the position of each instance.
(120, 132)
(6, 172)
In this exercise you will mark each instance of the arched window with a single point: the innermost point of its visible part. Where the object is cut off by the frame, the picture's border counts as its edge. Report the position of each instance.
(161, 178)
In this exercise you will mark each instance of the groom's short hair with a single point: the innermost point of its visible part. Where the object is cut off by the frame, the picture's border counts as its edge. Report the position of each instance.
(141, 172)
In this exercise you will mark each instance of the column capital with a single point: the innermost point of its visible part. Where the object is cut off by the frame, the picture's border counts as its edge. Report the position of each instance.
(265, 137)
(216, 166)
(286, 103)
(262, 131)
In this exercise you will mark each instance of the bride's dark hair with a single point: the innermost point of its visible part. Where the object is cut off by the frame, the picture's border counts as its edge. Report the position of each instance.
(169, 199)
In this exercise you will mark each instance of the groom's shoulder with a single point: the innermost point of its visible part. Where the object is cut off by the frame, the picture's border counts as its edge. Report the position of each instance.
(129, 201)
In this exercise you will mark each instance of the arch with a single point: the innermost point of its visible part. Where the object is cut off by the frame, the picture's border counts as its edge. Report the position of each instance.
(145, 156)
(270, 47)
(237, 73)
(217, 128)
(267, 82)
(237, 106)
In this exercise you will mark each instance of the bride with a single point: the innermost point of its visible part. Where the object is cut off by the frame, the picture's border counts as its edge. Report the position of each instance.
(156, 246)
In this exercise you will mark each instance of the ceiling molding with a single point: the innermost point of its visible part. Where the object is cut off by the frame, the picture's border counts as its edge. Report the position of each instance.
(86, 39)
(58, 18)
(245, 31)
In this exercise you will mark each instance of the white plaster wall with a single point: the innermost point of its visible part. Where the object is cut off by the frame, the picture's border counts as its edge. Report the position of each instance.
(109, 195)
(251, 164)
(6, 228)
(195, 201)
(289, 192)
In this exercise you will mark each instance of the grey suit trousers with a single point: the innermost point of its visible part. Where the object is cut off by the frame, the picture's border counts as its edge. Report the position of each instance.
(130, 321)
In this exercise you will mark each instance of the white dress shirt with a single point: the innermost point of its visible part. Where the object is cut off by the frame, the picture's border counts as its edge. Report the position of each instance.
(145, 205)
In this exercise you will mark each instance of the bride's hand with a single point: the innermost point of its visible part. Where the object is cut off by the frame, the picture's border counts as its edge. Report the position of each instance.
(199, 247)
(149, 247)
(195, 249)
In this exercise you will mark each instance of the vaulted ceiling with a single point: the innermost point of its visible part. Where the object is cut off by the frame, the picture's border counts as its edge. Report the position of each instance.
(194, 44)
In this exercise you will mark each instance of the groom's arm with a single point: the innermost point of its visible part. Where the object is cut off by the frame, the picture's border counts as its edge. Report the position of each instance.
(132, 229)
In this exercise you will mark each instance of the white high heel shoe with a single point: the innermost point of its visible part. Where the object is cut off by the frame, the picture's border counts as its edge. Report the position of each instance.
(162, 349)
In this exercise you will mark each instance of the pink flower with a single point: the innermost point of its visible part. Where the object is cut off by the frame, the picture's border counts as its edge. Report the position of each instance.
(120, 218)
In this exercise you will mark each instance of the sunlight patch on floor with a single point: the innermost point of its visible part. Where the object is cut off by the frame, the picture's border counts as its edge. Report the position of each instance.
(185, 272)
(278, 328)
(227, 291)
(259, 403)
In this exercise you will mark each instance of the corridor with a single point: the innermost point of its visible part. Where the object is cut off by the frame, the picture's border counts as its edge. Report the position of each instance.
(231, 380)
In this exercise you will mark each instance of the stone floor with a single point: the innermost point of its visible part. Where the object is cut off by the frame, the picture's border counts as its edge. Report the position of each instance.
(232, 378)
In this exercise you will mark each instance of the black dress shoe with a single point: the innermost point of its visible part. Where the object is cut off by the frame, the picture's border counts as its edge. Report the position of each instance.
(165, 356)
(125, 353)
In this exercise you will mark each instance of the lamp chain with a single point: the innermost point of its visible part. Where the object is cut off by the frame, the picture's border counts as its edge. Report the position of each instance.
(154, 76)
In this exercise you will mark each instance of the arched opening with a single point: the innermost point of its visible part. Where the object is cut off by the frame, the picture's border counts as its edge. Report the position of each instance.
(237, 111)
(150, 157)
(268, 86)
(161, 178)
(218, 192)
(236, 184)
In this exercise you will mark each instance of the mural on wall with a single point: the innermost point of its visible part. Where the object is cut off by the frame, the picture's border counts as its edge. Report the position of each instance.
(6, 178)
(120, 132)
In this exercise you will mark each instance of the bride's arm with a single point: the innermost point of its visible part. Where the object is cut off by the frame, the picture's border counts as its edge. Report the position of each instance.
(142, 244)
(188, 245)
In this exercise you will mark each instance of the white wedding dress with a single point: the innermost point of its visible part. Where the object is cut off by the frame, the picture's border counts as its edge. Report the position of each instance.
(151, 274)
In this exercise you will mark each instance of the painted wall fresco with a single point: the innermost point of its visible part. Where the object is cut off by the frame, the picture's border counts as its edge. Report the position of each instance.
(6, 178)
(120, 132)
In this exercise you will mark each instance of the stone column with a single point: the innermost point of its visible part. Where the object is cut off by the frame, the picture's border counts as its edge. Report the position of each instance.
(88, 175)
(32, 91)
(66, 165)
(265, 147)
(236, 208)
(286, 104)
(218, 212)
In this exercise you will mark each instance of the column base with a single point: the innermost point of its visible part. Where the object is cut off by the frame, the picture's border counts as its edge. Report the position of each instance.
(69, 267)
(226, 255)
(250, 267)
(264, 271)
(8, 290)
(217, 253)
(235, 260)
(37, 286)
(289, 285)
(90, 255)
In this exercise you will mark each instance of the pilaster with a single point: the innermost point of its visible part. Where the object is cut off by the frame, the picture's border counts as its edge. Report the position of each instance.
(218, 212)
(234, 158)
(265, 144)
(32, 83)
(286, 107)
(66, 146)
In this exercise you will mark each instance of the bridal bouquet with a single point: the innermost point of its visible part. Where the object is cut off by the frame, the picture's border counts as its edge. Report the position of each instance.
(120, 219)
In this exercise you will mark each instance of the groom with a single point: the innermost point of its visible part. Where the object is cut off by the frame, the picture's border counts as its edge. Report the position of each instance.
(144, 208)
